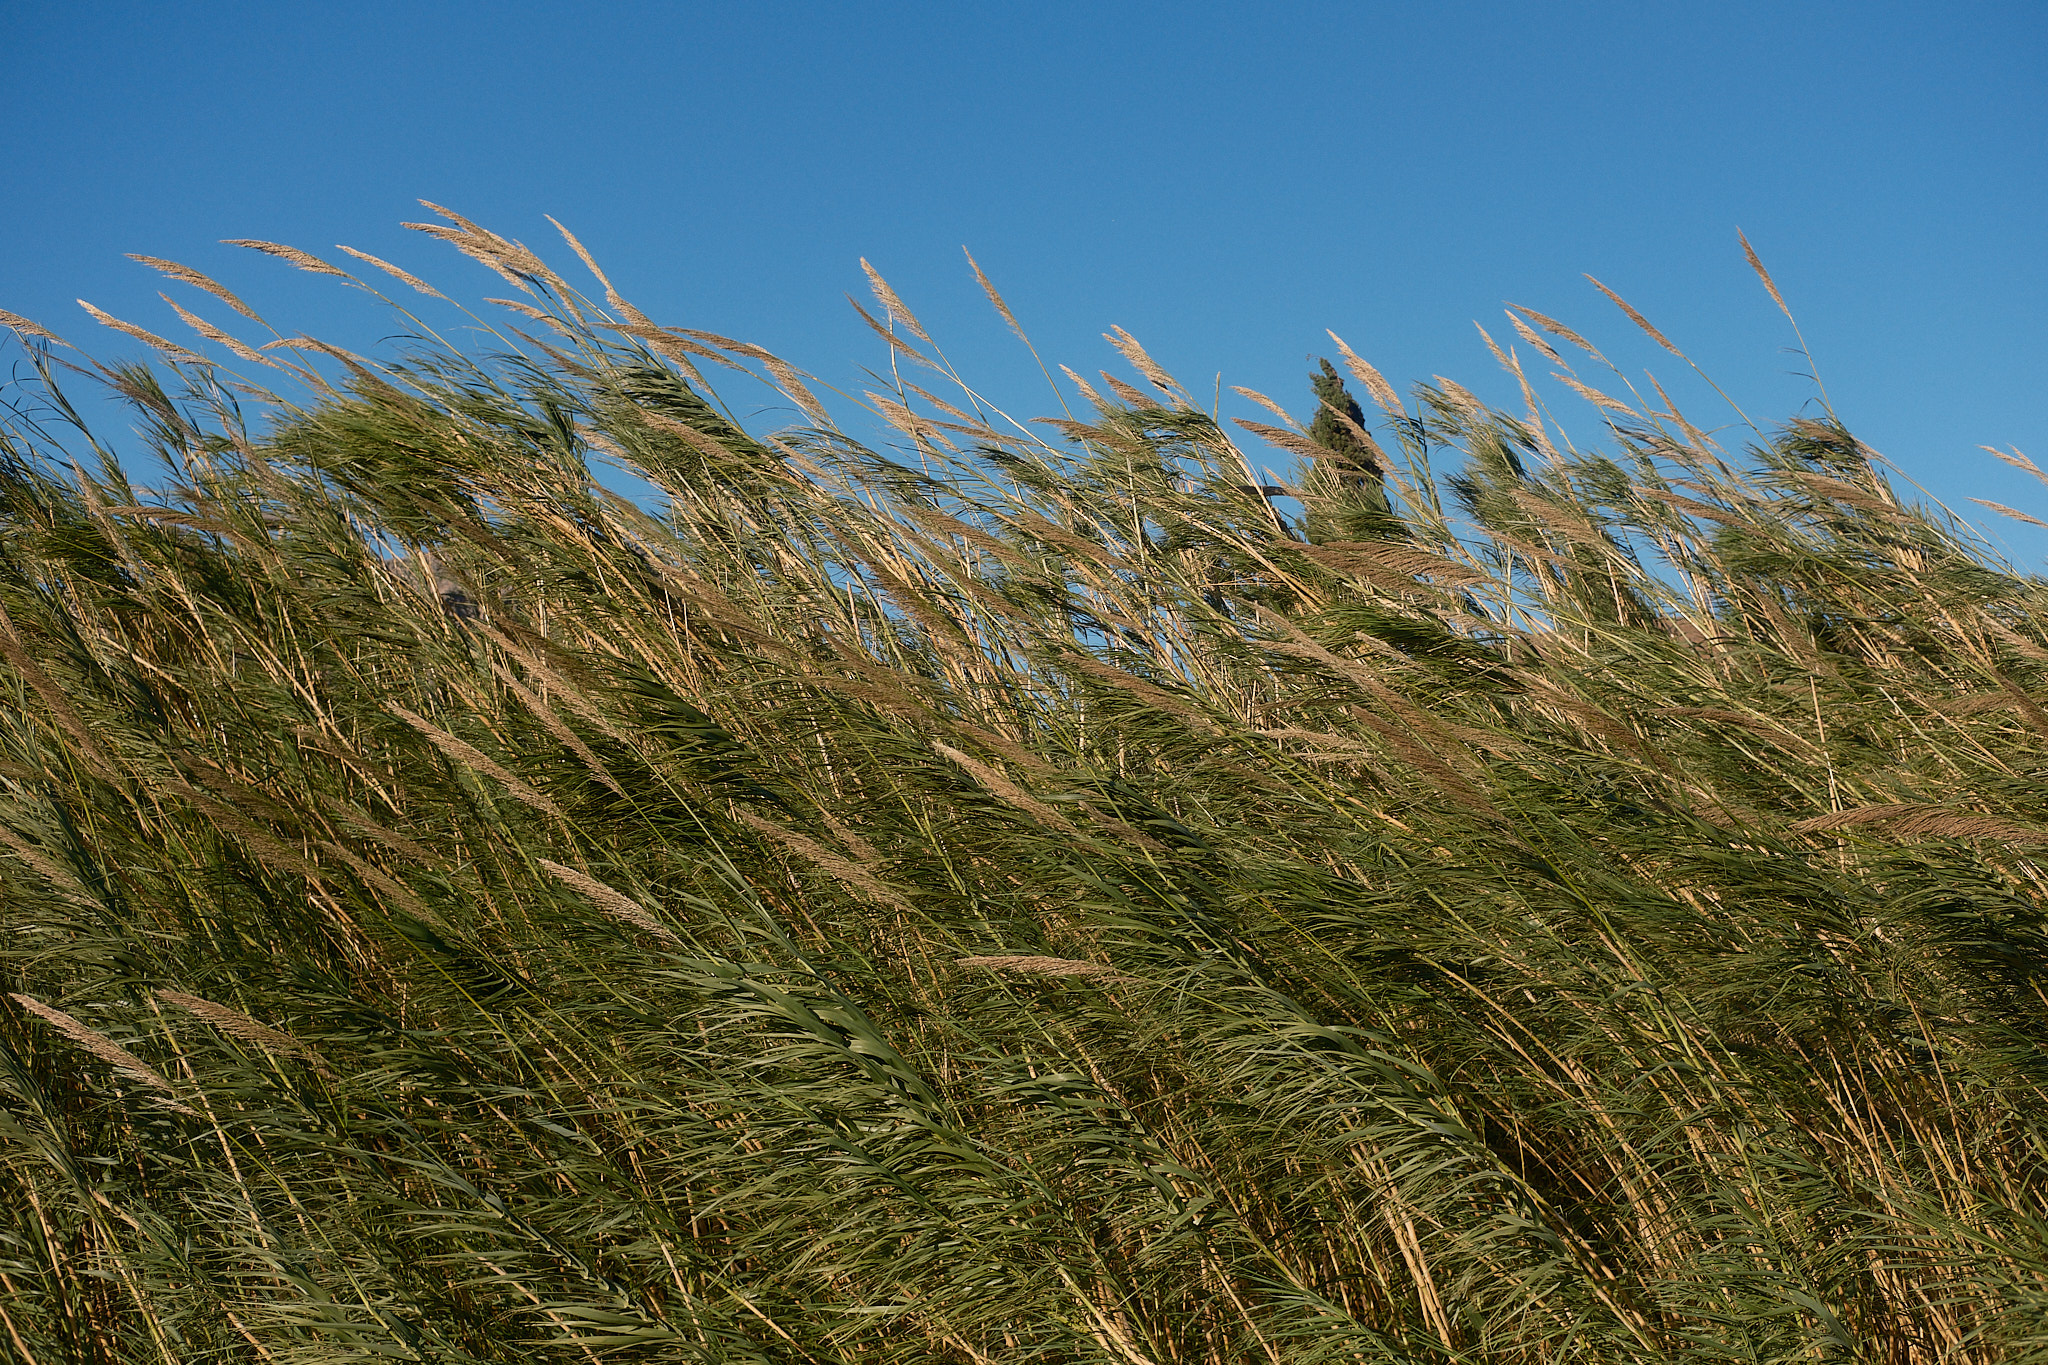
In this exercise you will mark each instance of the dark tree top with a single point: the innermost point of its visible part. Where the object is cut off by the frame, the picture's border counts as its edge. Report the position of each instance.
(1350, 454)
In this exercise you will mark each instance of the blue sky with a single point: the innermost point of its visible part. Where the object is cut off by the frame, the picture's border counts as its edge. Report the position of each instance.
(1224, 181)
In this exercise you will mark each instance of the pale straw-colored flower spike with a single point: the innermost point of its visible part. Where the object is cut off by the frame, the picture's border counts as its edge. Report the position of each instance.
(1375, 383)
(303, 260)
(197, 280)
(404, 275)
(101, 1046)
(894, 305)
(1033, 965)
(26, 328)
(613, 902)
(236, 1024)
(170, 348)
(217, 336)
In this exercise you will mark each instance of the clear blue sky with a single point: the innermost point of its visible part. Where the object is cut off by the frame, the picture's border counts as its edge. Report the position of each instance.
(1225, 181)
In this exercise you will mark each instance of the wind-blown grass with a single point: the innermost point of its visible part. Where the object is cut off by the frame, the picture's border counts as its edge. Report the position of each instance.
(1013, 899)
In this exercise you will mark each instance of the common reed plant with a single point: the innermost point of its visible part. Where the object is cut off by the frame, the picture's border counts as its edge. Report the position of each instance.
(1014, 891)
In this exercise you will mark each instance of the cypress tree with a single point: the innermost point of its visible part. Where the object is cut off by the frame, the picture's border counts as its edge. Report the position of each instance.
(1346, 487)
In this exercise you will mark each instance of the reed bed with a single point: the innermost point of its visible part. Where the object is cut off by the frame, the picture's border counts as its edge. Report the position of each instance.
(1014, 891)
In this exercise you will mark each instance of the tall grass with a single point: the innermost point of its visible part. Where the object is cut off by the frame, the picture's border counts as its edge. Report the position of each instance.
(1011, 897)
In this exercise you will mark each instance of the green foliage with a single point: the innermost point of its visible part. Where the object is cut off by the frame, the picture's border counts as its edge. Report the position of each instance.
(1013, 899)
(1345, 487)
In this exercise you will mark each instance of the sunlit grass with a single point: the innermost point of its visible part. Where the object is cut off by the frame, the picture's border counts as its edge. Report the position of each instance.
(1013, 896)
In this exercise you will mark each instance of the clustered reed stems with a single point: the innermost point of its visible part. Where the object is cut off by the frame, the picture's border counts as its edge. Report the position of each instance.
(1015, 897)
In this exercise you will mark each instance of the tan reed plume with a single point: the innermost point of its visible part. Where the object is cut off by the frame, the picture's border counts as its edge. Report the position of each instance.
(214, 334)
(102, 1047)
(844, 870)
(893, 305)
(199, 281)
(29, 329)
(236, 1024)
(475, 758)
(171, 349)
(613, 902)
(415, 281)
(303, 260)
(1003, 788)
(1033, 965)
